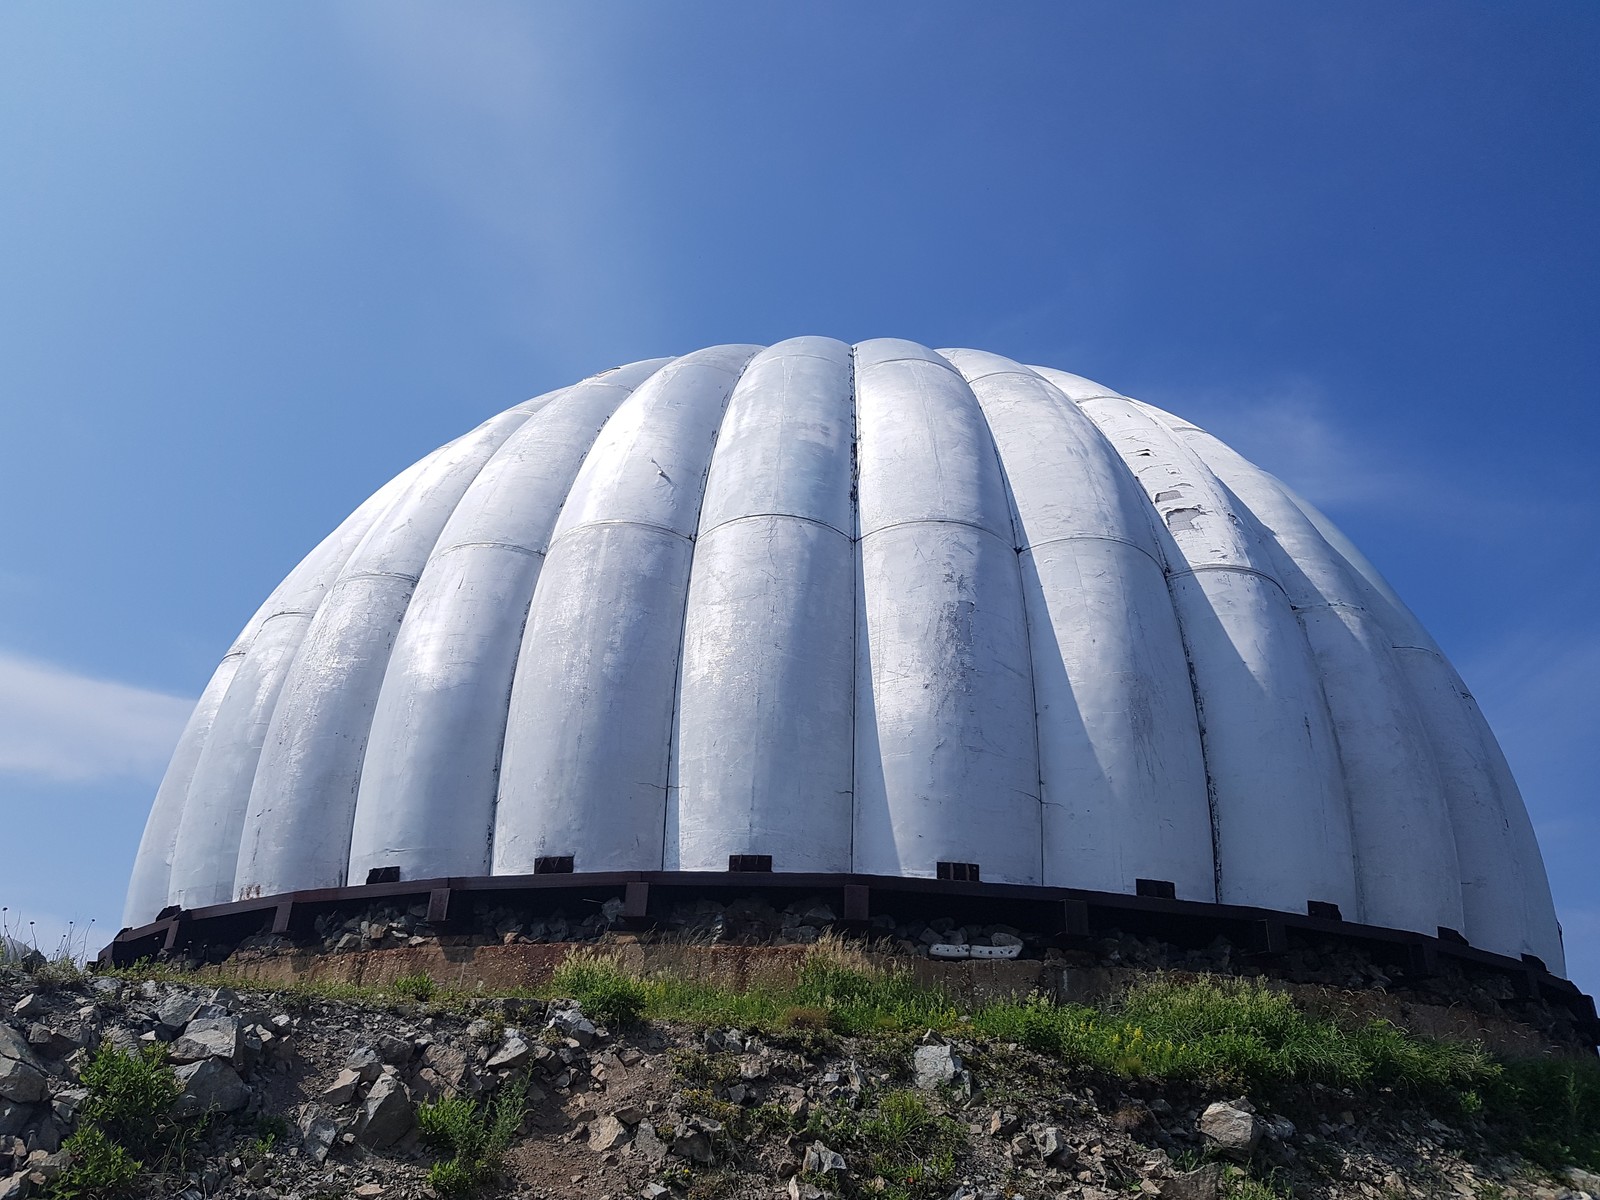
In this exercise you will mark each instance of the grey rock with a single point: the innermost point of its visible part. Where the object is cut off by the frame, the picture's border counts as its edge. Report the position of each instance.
(570, 1022)
(67, 1101)
(607, 1134)
(394, 1050)
(654, 1191)
(512, 1052)
(209, 1037)
(1203, 1183)
(318, 1132)
(799, 1190)
(13, 1117)
(935, 1066)
(1583, 1181)
(1003, 1124)
(210, 1085)
(31, 1006)
(693, 1145)
(1052, 1146)
(343, 1088)
(386, 1115)
(820, 1160)
(365, 1062)
(1232, 1128)
(648, 1146)
(14, 1187)
(176, 1011)
(21, 1073)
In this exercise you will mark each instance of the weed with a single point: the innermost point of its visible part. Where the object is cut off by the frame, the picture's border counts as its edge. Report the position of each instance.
(475, 1137)
(418, 986)
(100, 1170)
(1237, 1184)
(909, 1150)
(598, 982)
(1549, 1108)
(697, 1067)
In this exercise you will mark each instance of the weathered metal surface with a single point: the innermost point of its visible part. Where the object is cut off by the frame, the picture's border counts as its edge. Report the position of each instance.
(946, 764)
(863, 611)
(1405, 851)
(1280, 816)
(302, 802)
(762, 758)
(1123, 779)
(205, 844)
(585, 766)
(441, 716)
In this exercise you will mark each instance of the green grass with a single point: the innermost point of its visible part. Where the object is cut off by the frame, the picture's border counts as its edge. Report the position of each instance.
(1213, 1032)
(418, 986)
(897, 1139)
(474, 1136)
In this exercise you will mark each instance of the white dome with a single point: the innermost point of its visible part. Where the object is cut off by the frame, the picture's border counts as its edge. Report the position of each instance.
(864, 610)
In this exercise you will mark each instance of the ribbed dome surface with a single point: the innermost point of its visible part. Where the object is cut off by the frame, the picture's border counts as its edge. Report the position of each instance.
(862, 609)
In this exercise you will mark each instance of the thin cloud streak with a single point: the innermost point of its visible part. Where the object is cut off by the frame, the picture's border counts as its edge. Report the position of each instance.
(66, 727)
(1292, 429)
(514, 122)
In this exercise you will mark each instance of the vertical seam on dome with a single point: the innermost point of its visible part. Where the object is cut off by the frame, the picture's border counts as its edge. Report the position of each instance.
(1012, 516)
(1167, 576)
(855, 598)
(683, 619)
(527, 609)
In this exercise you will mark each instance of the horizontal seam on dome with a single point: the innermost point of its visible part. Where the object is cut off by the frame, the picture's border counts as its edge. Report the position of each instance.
(937, 521)
(1344, 604)
(289, 612)
(881, 362)
(495, 545)
(817, 357)
(565, 534)
(1227, 567)
(704, 533)
(378, 575)
(1093, 537)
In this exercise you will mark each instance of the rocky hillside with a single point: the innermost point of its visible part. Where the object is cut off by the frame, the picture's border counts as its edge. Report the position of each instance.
(165, 1086)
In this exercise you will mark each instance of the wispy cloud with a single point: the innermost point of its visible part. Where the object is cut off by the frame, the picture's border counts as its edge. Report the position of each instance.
(59, 725)
(516, 122)
(1293, 428)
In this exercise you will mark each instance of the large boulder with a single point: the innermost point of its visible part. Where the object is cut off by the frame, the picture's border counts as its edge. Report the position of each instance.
(209, 1037)
(210, 1085)
(1232, 1128)
(935, 1066)
(386, 1115)
(21, 1074)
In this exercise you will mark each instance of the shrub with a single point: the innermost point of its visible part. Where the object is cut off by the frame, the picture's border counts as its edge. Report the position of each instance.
(1550, 1108)
(130, 1099)
(100, 1170)
(475, 1137)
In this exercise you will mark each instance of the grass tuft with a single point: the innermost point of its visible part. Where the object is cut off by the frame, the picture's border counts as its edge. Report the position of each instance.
(475, 1137)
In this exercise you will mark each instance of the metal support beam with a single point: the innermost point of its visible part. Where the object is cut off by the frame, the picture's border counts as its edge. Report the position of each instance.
(438, 906)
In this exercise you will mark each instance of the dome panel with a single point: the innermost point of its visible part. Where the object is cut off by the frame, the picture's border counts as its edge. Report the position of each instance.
(865, 611)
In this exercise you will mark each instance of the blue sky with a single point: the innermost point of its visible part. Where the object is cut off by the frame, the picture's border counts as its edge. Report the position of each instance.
(255, 259)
